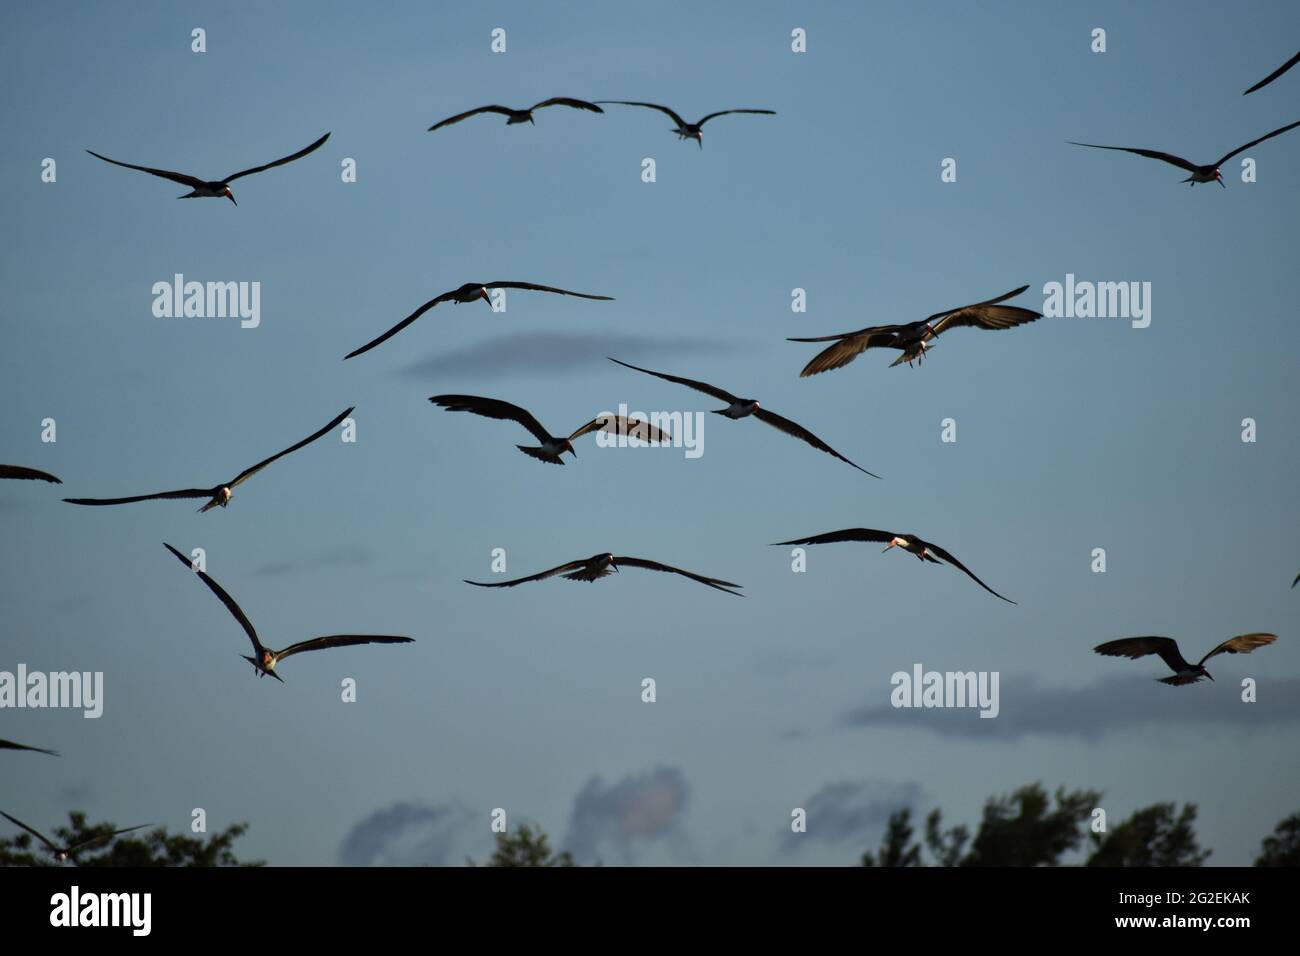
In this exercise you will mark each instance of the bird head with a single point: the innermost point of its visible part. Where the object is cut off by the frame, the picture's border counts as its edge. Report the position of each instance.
(229, 195)
(609, 560)
(568, 446)
(1203, 671)
(1218, 177)
(483, 294)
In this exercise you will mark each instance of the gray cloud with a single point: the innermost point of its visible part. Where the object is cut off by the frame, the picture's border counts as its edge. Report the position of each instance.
(346, 557)
(411, 834)
(850, 812)
(553, 353)
(1098, 709)
(639, 809)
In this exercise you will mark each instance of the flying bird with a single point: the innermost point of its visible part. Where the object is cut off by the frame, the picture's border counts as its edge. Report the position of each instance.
(222, 493)
(1297, 580)
(515, 117)
(599, 565)
(1167, 649)
(27, 474)
(553, 446)
(1274, 75)
(744, 407)
(914, 339)
(266, 659)
(910, 543)
(10, 745)
(469, 292)
(1199, 174)
(684, 129)
(65, 853)
(216, 188)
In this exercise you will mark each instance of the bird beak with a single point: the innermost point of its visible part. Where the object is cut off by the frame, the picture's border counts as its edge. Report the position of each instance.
(1207, 673)
(1219, 179)
(569, 448)
(887, 547)
(483, 294)
(231, 196)
(614, 566)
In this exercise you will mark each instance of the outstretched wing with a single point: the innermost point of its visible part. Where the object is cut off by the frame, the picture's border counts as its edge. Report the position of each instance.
(183, 493)
(1134, 647)
(725, 112)
(961, 567)
(27, 474)
(847, 347)
(36, 833)
(795, 430)
(567, 101)
(622, 425)
(445, 297)
(10, 745)
(91, 841)
(503, 110)
(1149, 153)
(225, 599)
(848, 534)
(539, 576)
(250, 472)
(1241, 644)
(654, 106)
(492, 408)
(986, 315)
(1255, 142)
(546, 288)
(704, 387)
(716, 583)
(340, 640)
(183, 178)
(279, 162)
(1275, 74)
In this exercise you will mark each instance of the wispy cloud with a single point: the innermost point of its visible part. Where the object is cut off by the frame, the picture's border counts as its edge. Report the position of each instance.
(850, 812)
(638, 810)
(413, 834)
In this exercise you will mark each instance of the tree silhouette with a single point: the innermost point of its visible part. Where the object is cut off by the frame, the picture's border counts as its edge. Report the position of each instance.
(1282, 846)
(154, 847)
(527, 847)
(1152, 836)
(894, 850)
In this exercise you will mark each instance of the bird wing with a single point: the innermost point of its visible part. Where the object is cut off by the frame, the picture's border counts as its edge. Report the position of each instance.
(654, 106)
(250, 472)
(10, 745)
(36, 833)
(1296, 581)
(717, 583)
(567, 101)
(1241, 644)
(1135, 647)
(847, 347)
(961, 567)
(796, 430)
(29, 474)
(545, 288)
(279, 162)
(182, 493)
(503, 110)
(620, 424)
(446, 296)
(90, 841)
(339, 640)
(725, 112)
(1275, 74)
(492, 408)
(1149, 153)
(987, 315)
(225, 599)
(539, 576)
(183, 178)
(848, 534)
(707, 389)
(1254, 142)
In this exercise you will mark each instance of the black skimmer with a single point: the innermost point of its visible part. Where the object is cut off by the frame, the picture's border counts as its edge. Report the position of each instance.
(684, 129)
(1274, 75)
(265, 659)
(910, 543)
(599, 565)
(65, 853)
(1167, 649)
(469, 292)
(216, 188)
(913, 338)
(515, 117)
(744, 407)
(1199, 174)
(10, 745)
(27, 474)
(1296, 581)
(222, 493)
(553, 446)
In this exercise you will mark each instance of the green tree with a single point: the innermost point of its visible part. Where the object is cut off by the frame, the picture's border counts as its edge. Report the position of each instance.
(1282, 846)
(1024, 829)
(894, 849)
(154, 847)
(1152, 836)
(526, 847)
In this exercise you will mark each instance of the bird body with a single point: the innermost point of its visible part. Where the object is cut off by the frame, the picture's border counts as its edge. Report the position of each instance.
(1166, 648)
(65, 853)
(600, 565)
(683, 129)
(513, 116)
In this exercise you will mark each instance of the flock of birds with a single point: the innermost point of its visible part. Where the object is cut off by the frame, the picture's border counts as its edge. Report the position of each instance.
(911, 340)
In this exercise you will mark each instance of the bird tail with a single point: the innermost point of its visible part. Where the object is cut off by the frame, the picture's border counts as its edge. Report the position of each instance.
(1178, 680)
(540, 454)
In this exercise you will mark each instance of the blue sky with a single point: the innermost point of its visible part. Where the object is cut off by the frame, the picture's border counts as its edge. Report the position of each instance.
(1073, 433)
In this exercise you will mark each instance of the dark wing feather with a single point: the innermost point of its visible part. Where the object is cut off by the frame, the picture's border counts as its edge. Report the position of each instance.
(1149, 153)
(446, 296)
(183, 493)
(546, 288)
(1002, 298)
(279, 162)
(847, 348)
(10, 745)
(716, 583)
(1241, 644)
(539, 576)
(250, 472)
(1255, 142)
(961, 567)
(848, 534)
(339, 640)
(91, 841)
(796, 430)
(225, 599)
(987, 315)
(707, 389)
(567, 101)
(1135, 647)
(654, 106)
(619, 424)
(27, 474)
(1275, 74)
(492, 408)
(183, 178)
(503, 110)
(725, 112)
(36, 833)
